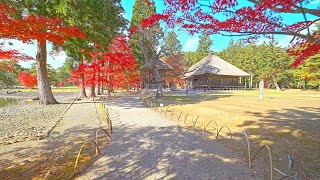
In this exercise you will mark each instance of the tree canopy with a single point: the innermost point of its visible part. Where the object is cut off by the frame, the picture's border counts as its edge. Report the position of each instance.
(251, 18)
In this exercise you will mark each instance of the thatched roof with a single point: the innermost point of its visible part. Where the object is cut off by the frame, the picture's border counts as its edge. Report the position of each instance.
(214, 65)
(160, 65)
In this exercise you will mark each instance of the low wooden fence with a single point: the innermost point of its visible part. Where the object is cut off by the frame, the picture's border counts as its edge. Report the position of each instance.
(214, 126)
(107, 130)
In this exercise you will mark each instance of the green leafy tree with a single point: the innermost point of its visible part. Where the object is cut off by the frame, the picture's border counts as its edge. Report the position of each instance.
(265, 61)
(273, 64)
(8, 78)
(192, 57)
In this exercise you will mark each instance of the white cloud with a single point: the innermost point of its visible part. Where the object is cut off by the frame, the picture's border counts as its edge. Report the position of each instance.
(191, 44)
(57, 60)
(285, 41)
(312, 28)
(263, 40)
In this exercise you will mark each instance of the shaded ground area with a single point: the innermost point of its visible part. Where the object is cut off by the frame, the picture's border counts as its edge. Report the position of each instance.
(30, 159)
(146, 145)
(287, 121)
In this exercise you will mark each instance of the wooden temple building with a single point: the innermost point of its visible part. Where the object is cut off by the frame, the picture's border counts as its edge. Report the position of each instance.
(214, 73)
(148, 81)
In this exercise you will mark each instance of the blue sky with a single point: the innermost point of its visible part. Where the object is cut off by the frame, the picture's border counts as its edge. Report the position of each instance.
(189, 43)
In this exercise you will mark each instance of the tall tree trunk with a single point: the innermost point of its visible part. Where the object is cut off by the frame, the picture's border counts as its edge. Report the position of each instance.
(93, 92)
(93, 87)
(98, 89)
(83, 93)
(45, 93)
(98, 85)
(157, 77)
(102, 87)
(109, 91)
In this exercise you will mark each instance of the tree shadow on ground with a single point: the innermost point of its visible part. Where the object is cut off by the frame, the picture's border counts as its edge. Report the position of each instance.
(26, 161)
(171, 152)
(187, 99)
(289, 131)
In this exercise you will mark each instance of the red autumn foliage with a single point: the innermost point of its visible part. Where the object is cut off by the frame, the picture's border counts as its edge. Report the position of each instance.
(151, 20)
(179, 65)
(133, 29)
(32, 27)
(27, 80)
(60, 84)
(75, 78)
(13, 55)
(230, 18)
(116, 68)
(303, 49)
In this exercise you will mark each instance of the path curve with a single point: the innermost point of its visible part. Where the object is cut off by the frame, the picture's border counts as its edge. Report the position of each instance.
(146, 145)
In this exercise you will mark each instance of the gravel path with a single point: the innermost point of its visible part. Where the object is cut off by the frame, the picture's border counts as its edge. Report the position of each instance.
(146, 145)
(78, 124)
(28, 122)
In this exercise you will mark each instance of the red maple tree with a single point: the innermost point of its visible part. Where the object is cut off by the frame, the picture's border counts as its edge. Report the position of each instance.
(27, 80)
(252, 18)
(179, 65)
(116, 68)
(41, 29)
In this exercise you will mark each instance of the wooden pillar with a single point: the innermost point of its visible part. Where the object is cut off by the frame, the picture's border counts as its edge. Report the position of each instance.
(149, 79)
(164, 78)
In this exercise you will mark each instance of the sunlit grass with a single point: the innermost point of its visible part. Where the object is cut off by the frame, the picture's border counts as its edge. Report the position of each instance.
(287, 121)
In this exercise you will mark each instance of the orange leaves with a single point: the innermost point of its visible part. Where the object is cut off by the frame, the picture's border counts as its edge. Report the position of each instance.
(148, 22)
(34, 27)
(151, 20)
(27, 80)
(13, 55)
(304, 50)
(133, 29)
(117, 68)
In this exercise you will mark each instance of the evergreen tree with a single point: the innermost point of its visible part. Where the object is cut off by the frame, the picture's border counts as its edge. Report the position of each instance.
(171, 44)
(204, 46)
(141, 10)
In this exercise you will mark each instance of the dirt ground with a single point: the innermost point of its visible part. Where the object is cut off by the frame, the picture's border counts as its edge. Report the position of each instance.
(287, 121)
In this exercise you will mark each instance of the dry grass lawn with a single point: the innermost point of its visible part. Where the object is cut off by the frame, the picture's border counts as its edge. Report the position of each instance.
(287, 121)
